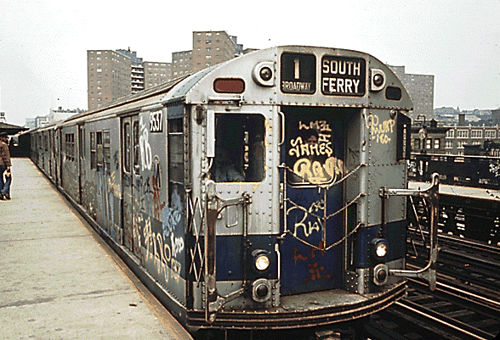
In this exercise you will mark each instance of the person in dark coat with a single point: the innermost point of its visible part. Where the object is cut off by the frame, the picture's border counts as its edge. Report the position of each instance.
(5, 167)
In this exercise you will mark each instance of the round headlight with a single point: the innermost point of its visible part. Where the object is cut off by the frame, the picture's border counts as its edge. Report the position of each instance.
(381, 249)
(262, 262)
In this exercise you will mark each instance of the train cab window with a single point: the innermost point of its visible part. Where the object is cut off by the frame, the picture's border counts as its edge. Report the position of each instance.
(239, 148)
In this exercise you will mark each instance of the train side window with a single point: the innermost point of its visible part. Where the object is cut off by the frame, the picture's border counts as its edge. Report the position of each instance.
(106, 150)
(136, 146)
(239, 148)
(98, 136)
(93, 154)
(127, 146)
(70, 147)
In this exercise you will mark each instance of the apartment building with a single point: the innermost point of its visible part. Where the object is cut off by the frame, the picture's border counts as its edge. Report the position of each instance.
(108, 77)
(182, 63)
(114, 74)
(421, 90)
(212, 47)
(156, 73)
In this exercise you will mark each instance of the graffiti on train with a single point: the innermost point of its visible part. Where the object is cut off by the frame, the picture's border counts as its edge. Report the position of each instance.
(315, 270)
(145, 147)
(161, 253)
(380, 131)
(495, 169)
(312, 153)
(309, 221)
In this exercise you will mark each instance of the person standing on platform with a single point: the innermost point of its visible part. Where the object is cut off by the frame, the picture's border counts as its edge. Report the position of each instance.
(5, 166)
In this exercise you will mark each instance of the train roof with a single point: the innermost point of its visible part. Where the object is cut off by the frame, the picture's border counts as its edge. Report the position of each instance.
(198, 88)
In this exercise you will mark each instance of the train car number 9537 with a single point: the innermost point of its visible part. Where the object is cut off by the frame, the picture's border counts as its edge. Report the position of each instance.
(156, 121)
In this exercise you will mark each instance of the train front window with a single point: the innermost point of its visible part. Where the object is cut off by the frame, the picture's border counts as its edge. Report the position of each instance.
(239, 148)
(314, 146)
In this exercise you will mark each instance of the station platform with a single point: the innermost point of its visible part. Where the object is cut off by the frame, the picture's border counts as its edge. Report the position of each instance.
(59, 280)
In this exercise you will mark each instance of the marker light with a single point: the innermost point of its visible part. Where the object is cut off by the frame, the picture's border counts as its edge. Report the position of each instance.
(377, 80)
(229, 85)
(263, 73)
(380, 274)
(261, 290)
(266, 73)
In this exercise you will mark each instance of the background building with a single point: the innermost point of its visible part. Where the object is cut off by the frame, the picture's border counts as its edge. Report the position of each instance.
(182, 63)
(136, 70)
(108, 77)
(421, 90)
(156, 73)
(114, 74)
(213, 47)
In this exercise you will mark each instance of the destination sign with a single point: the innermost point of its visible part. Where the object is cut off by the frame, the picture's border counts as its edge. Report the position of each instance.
(343, 76)
(298, 73)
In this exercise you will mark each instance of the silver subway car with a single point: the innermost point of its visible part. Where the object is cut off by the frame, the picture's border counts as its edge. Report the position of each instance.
(266, 192)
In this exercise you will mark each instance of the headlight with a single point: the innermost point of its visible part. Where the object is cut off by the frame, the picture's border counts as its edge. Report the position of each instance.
(261, 262)
(380, 248)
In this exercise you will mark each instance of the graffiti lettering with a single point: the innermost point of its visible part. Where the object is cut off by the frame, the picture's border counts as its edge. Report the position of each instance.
(380, 130)
(316, 173)
(177, 244)
(320, 125)
(300, 148)
(314, 156)
(315, 270)
(145, 147)
(161, 254)
(298, 256)
(495, 169)
(308, 227)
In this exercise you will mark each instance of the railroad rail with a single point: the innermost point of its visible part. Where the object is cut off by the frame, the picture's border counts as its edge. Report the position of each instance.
(464, 263)
(447, 313)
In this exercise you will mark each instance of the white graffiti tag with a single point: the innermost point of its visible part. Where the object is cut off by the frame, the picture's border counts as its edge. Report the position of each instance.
(146, 157)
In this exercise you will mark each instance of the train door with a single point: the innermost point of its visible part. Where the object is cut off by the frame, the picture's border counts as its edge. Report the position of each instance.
(130, 170)
(313, 152)
(61, 156)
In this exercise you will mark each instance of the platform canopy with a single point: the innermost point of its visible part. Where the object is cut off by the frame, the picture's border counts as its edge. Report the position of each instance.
(12, 129)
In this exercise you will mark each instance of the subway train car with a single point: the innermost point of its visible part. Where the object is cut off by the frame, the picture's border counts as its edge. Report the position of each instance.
(266, 192)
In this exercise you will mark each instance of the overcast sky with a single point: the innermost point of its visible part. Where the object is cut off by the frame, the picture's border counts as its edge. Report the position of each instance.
(43, 44)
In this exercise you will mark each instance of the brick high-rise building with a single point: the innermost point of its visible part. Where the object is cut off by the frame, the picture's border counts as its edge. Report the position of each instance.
(115, 74)
(182, 63)
(156, 73)
(212, 47)
(108, 77)
(421, 90)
